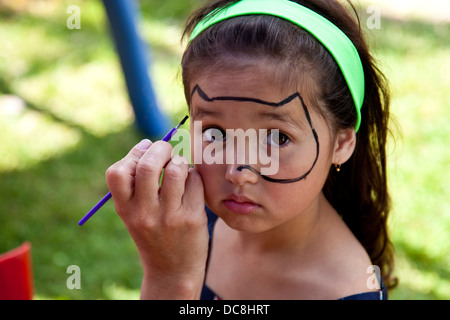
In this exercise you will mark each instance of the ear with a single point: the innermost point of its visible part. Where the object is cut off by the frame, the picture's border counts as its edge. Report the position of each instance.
(344, 146)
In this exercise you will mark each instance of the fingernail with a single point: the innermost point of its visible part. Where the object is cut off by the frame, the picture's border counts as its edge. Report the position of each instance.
(144, 145)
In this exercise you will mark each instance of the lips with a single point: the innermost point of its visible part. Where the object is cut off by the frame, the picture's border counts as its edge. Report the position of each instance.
(240, 204)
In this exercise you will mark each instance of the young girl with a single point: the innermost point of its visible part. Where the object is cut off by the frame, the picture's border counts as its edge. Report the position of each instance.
(300, 75)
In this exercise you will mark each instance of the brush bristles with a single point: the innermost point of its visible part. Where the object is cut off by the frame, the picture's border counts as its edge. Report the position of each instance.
(182, 122)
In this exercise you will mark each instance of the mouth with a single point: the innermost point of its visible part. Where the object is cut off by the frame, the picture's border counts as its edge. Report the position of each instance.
(240, 204)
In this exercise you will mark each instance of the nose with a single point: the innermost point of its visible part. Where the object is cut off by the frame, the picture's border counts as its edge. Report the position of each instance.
(239, 177)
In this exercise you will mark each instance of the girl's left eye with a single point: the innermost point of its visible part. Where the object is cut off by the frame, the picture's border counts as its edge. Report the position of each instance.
(277, 138)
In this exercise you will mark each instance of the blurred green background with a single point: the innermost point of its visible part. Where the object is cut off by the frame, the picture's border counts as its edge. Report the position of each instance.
(65, 117)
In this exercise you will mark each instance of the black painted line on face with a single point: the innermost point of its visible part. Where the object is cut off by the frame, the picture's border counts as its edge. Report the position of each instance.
(205, 97)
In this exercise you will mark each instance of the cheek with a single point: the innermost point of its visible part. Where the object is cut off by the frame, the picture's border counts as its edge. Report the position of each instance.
(206, 171)
(288, 197)
(287, 201)
(212, 178)
(296, 197)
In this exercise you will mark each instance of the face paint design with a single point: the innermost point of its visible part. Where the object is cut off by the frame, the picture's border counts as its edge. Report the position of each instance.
(205, 97)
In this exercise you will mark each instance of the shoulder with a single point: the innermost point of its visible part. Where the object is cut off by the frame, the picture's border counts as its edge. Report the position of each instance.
(343, 267)
(345, 272)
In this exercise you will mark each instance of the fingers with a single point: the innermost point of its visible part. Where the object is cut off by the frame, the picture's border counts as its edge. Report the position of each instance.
(194, 194)
(137, 177)
(149, 169)
(173, 183)
(120, 176)
(179, 186)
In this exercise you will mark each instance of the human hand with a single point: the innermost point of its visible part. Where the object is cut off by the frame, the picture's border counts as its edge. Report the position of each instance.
(168, 224)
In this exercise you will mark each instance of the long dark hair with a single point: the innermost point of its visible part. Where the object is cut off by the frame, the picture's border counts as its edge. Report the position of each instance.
(359, 192)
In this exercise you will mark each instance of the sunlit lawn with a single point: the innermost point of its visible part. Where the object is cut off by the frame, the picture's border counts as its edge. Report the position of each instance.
(417, 57)
(76, 120)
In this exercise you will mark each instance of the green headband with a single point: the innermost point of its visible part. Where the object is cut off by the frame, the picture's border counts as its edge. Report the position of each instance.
(331, 37)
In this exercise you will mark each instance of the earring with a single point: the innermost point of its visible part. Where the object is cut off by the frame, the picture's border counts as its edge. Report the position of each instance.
(337, 167)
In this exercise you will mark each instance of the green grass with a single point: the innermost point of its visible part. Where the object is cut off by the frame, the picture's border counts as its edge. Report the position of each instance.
(77, 120)
(416, 57)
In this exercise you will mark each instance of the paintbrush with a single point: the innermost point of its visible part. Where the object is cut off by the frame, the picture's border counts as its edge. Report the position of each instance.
(105, 199)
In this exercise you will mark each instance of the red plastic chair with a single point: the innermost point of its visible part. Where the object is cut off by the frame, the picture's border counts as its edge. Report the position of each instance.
(16, 278)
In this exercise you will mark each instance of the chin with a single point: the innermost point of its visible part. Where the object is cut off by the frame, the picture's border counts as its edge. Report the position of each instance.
(250, 223)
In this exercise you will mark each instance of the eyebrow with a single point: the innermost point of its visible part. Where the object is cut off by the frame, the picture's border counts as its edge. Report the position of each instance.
(284, 118)
(205, 97)
(203, 112)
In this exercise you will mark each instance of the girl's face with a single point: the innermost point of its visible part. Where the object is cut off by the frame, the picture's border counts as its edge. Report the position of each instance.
(249, 104)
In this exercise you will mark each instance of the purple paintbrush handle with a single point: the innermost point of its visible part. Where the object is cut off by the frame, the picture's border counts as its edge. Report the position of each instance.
(169, 135)
(95, 209)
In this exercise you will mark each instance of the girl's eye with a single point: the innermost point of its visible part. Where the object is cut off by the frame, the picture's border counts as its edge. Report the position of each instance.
(213, 135)
(276, 138)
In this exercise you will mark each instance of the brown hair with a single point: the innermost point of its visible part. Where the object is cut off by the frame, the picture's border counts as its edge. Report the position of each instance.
(359, 192)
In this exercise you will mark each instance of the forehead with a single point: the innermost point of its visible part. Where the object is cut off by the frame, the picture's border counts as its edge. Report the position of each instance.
(232, 87)
(244, 80)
